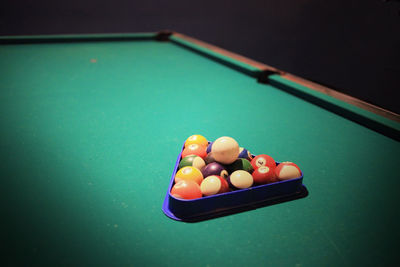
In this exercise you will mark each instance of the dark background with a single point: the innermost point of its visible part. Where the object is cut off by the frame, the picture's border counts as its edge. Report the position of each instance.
(351, 46)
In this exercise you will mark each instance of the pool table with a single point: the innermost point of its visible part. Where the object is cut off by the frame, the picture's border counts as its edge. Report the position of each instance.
(91, 127)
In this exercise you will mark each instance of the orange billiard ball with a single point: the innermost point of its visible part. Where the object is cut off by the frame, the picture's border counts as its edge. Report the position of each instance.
(195, 149)
(186, 190)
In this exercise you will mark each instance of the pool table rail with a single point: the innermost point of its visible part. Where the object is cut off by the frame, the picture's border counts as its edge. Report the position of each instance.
(361, 112)
(366, 114)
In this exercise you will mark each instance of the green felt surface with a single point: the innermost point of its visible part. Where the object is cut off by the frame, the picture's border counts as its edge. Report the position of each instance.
(213, 54)
(90, 133)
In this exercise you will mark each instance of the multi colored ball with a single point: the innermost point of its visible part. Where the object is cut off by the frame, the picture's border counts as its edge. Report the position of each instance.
(210, 168)
(264, 175)
(214, 168)
(287, 170)
(263, 160)
(214, 184)
(192, 160)
(245, 154)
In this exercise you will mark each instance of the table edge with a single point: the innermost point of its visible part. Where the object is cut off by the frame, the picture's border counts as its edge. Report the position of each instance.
(371, 116)
(312, 85)
(364, 113)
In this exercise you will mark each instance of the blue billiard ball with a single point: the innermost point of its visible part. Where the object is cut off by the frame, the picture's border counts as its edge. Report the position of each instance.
(245, 154)
(209, 147)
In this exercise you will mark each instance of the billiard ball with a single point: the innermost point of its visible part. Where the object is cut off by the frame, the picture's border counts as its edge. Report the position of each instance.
(192, 160)
(214, 168)
(240, 179)
(240, 164)
(264, 175)
(186, 190)
(287, 170)
(194, 149)
(263, 160)
(209, 147)
(225, 150)
(209, 158)
(196, 139)
(244, 154)
(214, 184)
(189, 173)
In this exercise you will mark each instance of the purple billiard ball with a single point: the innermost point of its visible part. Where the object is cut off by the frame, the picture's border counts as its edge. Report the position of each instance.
(214, 168)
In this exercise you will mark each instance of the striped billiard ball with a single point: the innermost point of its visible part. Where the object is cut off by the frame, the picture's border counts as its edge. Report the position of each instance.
(214, 184)
(264, 175)
(245, 154)
(214, 168)
(287, 170)
(192, 160)
(263, 160)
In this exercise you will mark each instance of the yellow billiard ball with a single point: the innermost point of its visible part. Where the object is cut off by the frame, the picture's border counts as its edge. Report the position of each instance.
(196, 139)
(189, 173)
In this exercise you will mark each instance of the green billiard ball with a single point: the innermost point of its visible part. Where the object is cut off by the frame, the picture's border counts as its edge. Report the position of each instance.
(192, 160)
(240, 164)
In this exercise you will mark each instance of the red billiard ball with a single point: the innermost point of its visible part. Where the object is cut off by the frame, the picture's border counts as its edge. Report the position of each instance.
(214, 184)
(186, 190)
(195, 149)
(264, 175)
(287, 170)
(263, 160)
